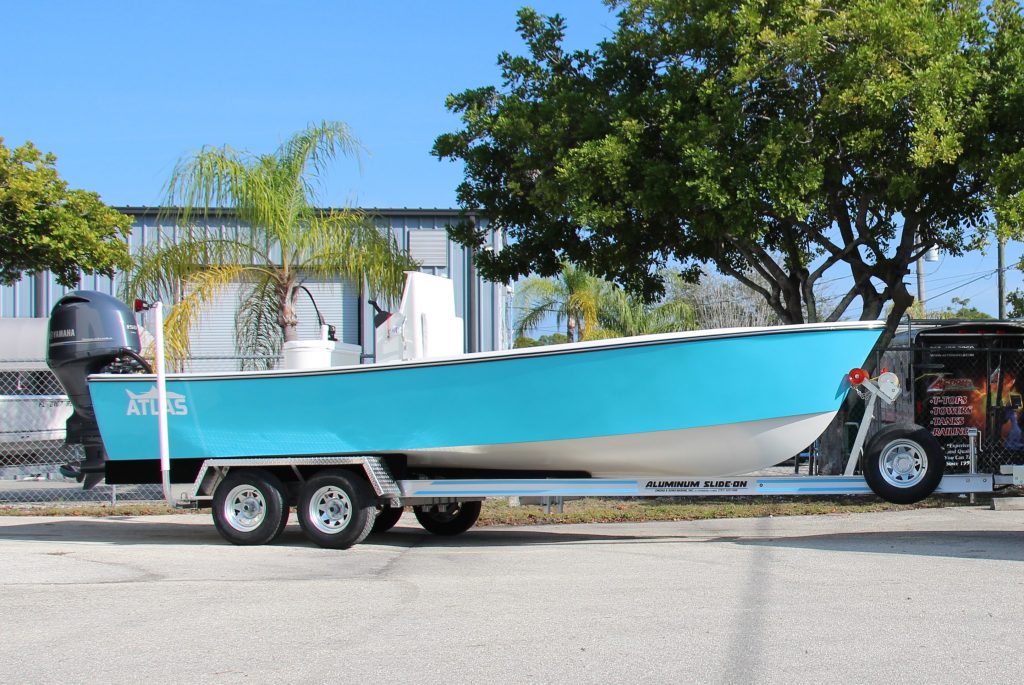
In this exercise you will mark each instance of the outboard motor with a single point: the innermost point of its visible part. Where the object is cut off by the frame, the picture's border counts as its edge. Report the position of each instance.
(90, 332)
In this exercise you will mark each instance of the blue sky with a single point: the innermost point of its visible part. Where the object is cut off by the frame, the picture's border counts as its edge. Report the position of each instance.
(119, 91)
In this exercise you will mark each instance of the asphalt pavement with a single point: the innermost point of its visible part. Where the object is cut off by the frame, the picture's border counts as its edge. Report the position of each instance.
(920, 596)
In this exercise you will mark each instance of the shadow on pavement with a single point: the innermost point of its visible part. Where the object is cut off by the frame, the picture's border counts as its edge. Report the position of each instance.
(1001, 545)
(126, 530)
(118, 530)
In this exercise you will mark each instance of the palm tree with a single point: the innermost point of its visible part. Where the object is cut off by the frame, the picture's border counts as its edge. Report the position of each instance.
(622, 315)
(287, 240)
(573, 297)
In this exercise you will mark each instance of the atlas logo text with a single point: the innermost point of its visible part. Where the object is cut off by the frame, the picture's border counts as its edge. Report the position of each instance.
(145, 403)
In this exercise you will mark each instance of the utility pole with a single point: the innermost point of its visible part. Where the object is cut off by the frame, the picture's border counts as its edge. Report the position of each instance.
(930, 255)
(472, 298)
(920, 283)
(1001, 252)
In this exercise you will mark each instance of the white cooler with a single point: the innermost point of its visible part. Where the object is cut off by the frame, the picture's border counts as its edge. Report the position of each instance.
(319, 354)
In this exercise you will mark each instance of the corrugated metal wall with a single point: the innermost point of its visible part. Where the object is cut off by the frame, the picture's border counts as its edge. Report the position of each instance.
(420, 231)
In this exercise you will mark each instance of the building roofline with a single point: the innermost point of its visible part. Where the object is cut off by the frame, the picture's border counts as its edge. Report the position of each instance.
(372, 211)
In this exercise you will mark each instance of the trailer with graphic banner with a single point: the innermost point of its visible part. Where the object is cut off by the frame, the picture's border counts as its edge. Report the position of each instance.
(969, 389)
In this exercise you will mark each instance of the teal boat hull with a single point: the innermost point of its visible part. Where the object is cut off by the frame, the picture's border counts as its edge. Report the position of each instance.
(695, 403)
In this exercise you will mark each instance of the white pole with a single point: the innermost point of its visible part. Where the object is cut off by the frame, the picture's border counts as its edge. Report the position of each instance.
(161, 400)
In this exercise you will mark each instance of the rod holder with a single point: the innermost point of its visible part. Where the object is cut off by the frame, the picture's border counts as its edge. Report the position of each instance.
(161, 400)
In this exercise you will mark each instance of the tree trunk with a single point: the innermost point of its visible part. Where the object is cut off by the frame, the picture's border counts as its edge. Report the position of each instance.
(833, 447)
(570, 329)
(286, 317)
(291, 331)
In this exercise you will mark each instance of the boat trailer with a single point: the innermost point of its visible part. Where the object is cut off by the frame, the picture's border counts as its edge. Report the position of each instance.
(340, 500)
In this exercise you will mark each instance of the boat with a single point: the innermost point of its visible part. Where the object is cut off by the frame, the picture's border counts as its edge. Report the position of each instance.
(695, 403)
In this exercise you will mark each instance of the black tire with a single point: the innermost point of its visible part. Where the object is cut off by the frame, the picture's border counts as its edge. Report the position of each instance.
(336, 509)
(903, 463)
(386, 519)
(452, 520)
(249, 507)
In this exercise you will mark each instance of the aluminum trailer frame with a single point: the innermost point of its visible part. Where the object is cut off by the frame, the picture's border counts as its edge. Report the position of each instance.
(415, 492)
(252, 505)
(391, 492)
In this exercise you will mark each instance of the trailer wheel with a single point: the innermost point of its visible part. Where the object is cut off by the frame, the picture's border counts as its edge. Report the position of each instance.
(249, 507)
(903, 463)
(336, 509)
(448, 519)
(386, 519)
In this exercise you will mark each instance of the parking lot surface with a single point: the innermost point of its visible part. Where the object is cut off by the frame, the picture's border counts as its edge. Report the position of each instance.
(919, 596)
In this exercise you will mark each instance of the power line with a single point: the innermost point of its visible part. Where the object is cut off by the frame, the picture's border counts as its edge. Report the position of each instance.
(955, 276)
(946, 292)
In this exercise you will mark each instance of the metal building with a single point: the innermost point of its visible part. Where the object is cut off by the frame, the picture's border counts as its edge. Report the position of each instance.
(483, 306)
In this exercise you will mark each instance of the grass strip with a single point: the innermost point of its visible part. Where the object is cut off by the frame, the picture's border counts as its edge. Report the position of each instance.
(95, 510)
(499, 512)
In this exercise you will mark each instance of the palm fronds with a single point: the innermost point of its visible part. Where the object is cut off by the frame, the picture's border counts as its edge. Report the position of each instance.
(595, 308)
(257, 329)
(573, 297)
(623, 316)
(536, 298)
(288, 238)
(347, 244)
(199, 290)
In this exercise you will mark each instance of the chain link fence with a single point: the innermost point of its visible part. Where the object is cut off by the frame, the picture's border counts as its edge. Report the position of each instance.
(33, 412)
(950, 385)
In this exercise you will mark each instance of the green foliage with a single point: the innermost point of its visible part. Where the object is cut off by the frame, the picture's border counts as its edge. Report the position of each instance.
(1015, 299)
(960, 309)
(44, 225)
(287, 241)
(573, 297)
(553, 339)
(779, 139)
(595, 309)
(623, 315)
(497, 511)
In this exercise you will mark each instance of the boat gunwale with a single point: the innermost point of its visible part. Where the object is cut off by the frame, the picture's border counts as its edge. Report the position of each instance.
(501, 355)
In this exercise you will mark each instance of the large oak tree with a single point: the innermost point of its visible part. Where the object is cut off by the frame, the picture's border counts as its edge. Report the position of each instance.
(782, 138)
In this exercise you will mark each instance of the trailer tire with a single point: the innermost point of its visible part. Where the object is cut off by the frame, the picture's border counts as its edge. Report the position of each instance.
(336, 509)
(387, 518)
(457, 518)
(249, 507)
(903, 463)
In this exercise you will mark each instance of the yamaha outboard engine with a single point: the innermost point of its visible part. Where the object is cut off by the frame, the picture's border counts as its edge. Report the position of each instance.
(90, 332)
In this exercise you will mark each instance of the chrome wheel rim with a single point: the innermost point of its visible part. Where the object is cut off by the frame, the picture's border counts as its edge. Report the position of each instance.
(245, 508)
(903, 463)
(330, 510)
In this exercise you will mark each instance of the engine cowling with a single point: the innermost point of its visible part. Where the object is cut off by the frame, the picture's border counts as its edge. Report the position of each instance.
(90, 332)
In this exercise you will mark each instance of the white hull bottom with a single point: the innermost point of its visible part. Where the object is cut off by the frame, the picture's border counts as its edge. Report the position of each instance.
(724, 450)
